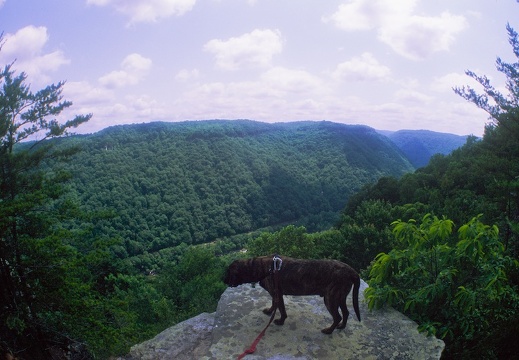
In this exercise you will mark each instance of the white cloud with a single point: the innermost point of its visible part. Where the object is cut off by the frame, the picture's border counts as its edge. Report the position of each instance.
(187, 75)
(147, 10)
(26, 46)
(39, 67)
(26, 43)
(447, 82)
(283, 94)
(99, 2)
(417, 37)
(369, 14)
(362, 68)
(279, 94)
(136, 63)
(145, 107)
(254, 49)
(354, 15)
(291, 81)
(107, 108)
(85, 94)
(412, 36)
(413, 97)
(133, 69)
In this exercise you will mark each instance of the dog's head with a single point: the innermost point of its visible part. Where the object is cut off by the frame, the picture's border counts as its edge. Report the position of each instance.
(233, 274)
(245, 271)
(239, 272)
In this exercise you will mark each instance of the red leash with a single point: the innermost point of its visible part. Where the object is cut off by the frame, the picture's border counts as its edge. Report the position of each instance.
(277, 262)
(252, 348)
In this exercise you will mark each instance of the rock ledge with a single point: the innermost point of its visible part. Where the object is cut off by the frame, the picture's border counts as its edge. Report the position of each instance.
(225, 334)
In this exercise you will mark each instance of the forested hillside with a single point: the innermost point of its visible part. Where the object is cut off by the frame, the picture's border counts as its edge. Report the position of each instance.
(420, 145)
(193, 182)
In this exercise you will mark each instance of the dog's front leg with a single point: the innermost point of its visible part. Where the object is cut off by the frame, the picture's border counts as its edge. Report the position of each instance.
(272, 308)
(267, 286)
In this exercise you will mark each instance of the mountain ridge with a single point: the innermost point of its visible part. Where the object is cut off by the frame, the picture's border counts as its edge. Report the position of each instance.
(417, 145)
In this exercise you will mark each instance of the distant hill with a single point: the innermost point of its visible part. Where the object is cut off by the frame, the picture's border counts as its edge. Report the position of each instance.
(420, 145)
(192, 182)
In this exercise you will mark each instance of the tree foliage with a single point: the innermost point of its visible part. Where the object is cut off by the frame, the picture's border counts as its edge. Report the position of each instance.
(194, 282)
(366, 233)
(455, 287)
(290, 241)
(37, 263)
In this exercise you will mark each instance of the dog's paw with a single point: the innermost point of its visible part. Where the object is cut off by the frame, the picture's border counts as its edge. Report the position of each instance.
(267, 311)
(327, 331)
(342, 325)
(279, 321)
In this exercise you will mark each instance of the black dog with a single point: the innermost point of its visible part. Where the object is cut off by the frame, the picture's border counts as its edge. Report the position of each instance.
(331, 279)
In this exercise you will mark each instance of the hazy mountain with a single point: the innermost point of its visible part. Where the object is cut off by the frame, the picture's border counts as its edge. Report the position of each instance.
(420, 145)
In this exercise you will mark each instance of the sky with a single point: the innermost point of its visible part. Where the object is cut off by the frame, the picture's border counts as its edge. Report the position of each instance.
(388, 64)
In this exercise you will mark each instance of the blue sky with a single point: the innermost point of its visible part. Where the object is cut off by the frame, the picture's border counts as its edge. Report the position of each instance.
(388, 64)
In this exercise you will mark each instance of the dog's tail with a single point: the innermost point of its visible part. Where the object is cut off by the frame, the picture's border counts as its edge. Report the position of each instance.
(356, 288)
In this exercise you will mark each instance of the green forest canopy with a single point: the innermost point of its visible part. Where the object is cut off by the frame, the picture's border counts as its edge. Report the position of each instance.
(189, 183)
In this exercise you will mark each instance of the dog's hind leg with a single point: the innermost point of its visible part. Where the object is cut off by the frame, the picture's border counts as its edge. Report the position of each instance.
(345, 313)
(332, 304)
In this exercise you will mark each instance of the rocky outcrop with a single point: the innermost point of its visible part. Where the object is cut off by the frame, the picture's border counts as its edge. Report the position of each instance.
(187, 340)
(225, 334)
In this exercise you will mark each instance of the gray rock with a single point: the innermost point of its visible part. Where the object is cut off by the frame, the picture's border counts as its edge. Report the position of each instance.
(382, 334)
(187, 340)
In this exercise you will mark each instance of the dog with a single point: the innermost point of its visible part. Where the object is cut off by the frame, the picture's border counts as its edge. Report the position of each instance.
(330, 279)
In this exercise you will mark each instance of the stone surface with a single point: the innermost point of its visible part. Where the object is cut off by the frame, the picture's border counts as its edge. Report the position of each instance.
(187, 340)
(383, 334)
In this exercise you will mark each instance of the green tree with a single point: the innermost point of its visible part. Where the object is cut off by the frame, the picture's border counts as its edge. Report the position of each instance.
(362, 243)
(457, 288)
(194, 285)
(290, 241)
(501, 147)
(33, 247)
(366, 230)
